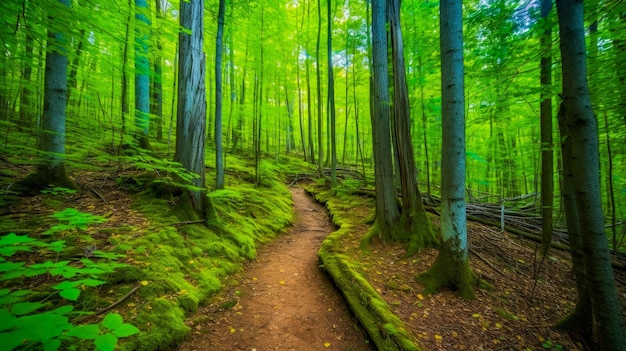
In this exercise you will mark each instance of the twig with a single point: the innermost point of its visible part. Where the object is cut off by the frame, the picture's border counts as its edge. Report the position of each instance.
(111, 306)
(473, 252)
(180, 224)
(97, 194)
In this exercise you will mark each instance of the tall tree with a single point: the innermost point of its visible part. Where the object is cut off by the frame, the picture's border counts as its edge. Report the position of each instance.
(451, 268)
(219, 154)
(579, 128)
(414, 226)
(157, 79)
(318, 70)
(142, 73)
(547, 155)
(331, 97)
(191, 114)
(51, 139)
(387, 212)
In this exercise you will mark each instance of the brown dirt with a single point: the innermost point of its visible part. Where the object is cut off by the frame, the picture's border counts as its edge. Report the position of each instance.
(282, 300)
(516, 315)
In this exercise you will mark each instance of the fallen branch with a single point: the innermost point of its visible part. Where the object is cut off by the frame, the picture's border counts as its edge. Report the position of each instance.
(111, 306)
(97, 194)
(475, 253)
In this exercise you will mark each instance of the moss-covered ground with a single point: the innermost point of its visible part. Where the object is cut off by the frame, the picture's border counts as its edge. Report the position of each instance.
(173, 264)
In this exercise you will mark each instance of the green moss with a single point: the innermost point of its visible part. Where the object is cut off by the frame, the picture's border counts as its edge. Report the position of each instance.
(384, 328)
(163, 327)
(448, 271)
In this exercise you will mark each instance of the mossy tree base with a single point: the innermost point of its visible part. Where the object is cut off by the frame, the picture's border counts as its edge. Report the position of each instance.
(579, 322)
(44, 177)
(415, 230)
(451, 272)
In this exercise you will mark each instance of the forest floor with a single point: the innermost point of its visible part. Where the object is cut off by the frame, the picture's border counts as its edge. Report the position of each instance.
(283, 301)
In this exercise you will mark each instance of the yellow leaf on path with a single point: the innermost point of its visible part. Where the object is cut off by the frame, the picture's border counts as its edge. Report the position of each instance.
(498, 325)
(455, 334)
(232, 330)
(476, 315)
(438, 337)
(419, 296)
(326, 344)
(282, 282)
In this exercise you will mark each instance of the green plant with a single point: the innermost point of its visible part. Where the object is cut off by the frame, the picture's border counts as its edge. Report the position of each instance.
(73, 220)
(26, 320)
(55, 190)
(549, 344)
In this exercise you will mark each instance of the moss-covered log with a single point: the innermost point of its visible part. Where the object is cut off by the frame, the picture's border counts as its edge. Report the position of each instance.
(384, 328)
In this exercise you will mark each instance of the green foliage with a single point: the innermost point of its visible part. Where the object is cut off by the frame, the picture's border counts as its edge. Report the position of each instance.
(26, 322)
(55, 190)
(73, 220)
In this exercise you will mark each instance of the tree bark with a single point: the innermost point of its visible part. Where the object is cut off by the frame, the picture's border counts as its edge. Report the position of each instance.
(51, 139)
(142, 74)
(451, 268)
(192, 105)
(219, 155)
(547, 155)
(580, 127)
(414, 227)
(331, 99)
(387, 213)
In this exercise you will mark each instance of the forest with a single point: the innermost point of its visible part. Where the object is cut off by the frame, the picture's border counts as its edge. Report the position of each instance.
(468, 154)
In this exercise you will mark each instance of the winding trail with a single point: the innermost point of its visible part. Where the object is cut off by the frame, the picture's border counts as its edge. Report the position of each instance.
(283, 300)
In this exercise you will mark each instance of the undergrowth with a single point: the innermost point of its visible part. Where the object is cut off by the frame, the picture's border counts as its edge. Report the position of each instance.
(171, 264)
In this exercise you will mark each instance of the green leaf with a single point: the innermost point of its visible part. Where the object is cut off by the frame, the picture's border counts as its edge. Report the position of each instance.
(9, 341)
(51, 345)
(70, 294)
(87, 331)
(112, 321)
(125, 330)
(42, 326)
(22, 308)
(7, 320)
(12, 239)
(106, 342)
(63, 310)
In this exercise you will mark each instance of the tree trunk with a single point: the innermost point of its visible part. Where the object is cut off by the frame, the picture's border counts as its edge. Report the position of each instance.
(142, 74)
(192, 105)
(580, 127)
(451, 268)
(157, 91)
(51, 139)
(414, 227)
(387, 212)
(331, 100)
(219, 155)
(320, 139)
(547, 156)
(26, 108)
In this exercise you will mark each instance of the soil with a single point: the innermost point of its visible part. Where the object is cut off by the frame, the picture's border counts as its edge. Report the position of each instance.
(282, 300)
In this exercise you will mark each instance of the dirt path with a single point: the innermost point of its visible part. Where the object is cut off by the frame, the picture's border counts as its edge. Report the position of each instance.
(284, 301)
